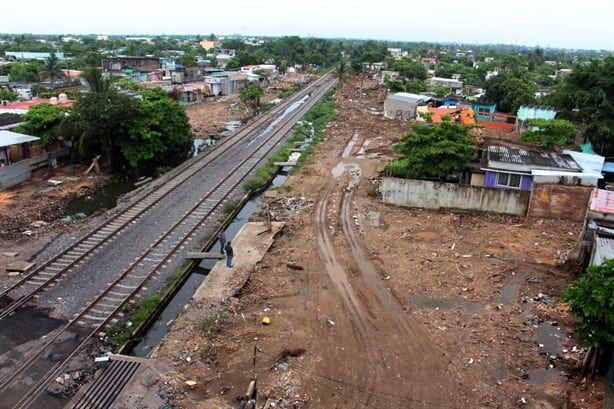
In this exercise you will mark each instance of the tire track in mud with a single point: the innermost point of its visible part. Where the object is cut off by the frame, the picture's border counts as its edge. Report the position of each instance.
(403, 364)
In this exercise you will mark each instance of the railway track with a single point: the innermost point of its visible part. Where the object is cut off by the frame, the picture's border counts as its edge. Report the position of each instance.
(69, 259)
(25, 380)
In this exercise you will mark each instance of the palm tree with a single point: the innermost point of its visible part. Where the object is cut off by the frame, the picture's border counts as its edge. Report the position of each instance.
(341, 70)
(95, 80)
(52, 69)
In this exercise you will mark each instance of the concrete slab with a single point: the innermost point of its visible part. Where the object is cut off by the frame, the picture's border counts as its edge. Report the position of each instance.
(250, 245)
(19, 266)
(197, 255)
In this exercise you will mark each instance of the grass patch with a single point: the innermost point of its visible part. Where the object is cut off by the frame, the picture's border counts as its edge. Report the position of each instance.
(229, 209)
(212, 324)
(292, 90)
(120, 332)
(312, 126)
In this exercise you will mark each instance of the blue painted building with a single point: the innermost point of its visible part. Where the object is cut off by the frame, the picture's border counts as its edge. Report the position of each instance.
(484, 111)
(532, 112)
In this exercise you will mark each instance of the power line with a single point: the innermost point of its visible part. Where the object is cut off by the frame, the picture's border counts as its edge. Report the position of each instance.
(387, 396)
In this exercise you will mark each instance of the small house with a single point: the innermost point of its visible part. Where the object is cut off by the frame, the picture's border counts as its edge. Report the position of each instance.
(484, 111)
(514, 168)
(402, 105)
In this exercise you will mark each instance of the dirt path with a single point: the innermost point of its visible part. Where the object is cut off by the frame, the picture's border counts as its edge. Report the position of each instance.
(377, 306)
(398, 362)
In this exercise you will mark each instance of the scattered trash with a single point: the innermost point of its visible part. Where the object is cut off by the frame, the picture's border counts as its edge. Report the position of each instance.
(54, 182)
(331, 322)
(105, 358)
(191, 383)
(185, 356)
(266, 321)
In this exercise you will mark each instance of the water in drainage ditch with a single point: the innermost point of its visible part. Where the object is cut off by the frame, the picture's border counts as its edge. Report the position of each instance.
(103, 198)
(158, 330)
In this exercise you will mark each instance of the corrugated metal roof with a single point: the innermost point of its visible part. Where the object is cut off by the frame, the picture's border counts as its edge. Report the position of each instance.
(409, 98)
(529, 160)
(8, 138)
(603, 250)
(602, 201)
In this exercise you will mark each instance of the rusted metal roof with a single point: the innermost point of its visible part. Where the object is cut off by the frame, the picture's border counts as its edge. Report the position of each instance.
(521, 160)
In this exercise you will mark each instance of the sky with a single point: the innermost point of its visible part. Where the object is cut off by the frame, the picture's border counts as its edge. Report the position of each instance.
(587, 24)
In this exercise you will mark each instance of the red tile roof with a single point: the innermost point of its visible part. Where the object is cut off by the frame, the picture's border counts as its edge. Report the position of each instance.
(25, 105)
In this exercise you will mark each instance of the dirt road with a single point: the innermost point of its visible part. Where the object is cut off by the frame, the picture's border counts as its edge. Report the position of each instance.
(377, 306)
(374, 306)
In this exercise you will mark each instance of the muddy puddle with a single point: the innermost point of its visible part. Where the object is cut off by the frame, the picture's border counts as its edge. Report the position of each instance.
(425, 301)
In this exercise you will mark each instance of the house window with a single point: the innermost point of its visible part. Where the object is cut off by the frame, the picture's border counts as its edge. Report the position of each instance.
(483, 111)
(508, 179)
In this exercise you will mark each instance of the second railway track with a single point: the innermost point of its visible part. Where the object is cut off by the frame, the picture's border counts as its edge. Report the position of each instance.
(22, 382)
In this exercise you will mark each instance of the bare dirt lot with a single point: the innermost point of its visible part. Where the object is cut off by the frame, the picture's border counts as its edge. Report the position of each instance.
(378, 306)
(374, 306)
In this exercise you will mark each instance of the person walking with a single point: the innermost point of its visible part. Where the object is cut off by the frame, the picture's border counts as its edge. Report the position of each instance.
(229, 254)
(221, 236)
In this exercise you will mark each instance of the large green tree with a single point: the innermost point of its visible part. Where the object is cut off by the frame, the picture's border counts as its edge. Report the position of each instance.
(587, 96)
(412, 70)
(251, 94)
(159, 135)
(433, 151)
(549, 133)
(130, 133)
(510, 91)
(591, 298)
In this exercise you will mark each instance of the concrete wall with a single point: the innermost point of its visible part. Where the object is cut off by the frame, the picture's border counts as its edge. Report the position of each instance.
(399, 110)
(21, 171)
(14, 174)
(559, 201)
(436, 195)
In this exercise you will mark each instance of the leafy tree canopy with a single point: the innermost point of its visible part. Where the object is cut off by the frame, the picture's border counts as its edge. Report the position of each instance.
(549, 133)
(433, 151)
(412, 70)
(43, 120)
(159, 134)
(509, 91)
(251, 94)
(591, 298)
(8, 94)
(587, 95)
(131, 134)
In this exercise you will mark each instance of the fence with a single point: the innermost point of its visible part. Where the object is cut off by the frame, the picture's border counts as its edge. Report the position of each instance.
(21, 171)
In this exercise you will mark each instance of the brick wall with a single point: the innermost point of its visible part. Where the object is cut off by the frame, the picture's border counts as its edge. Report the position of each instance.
(559, 201)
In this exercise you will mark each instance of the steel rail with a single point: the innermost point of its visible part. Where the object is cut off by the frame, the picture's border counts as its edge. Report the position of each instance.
(70, 258)
(109, 303)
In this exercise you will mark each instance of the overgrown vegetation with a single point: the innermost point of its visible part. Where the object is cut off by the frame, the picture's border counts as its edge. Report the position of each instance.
(229, 208)
(549, 133)
(433, 150)
(120, 332)
(312, 125)
(591, 298)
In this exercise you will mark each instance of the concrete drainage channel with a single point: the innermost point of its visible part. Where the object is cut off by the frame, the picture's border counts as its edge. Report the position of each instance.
(119, 369)
(158, 330)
